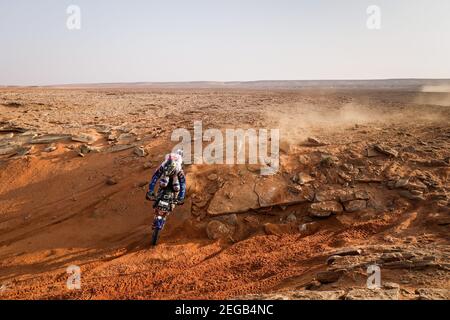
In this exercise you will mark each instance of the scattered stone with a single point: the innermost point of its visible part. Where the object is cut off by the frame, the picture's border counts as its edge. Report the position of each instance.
(12, 104)
(371, 152)
(325, 208)
(401, 183)
(433, 294)
(362, 195)
(355, 205)
(8, 149)
(386, 150)
(126, 138)
(23, 151)
(333, 194)
(373, 294)
(437, 163)
(328, 161)
(314, 142)
(50, 148)
(410, 149)
(410, 264)
(347, 196)
(395, 256)
(313, 285)
(216, 230)
(291, 218)
(318, 295)
(391, 285)
(410, 239)
(408, 195)
(212, 177)
(329, 276)
(140, 151)
(111, 181)
(307, 229)
(345, 177)
(416, 192)
(85, 149)
(120, 147)
(230, 219)
(47, 139)
(296, 295)
(12, 128)
(332, 259)
(84, 138)
(252, 221)
(348, 252)
(7, 136)
(302, 178)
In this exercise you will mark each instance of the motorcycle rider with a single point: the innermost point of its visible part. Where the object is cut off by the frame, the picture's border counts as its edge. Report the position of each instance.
(171, 168)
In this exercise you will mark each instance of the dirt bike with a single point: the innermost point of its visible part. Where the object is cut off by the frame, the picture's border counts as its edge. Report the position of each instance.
(165, 202)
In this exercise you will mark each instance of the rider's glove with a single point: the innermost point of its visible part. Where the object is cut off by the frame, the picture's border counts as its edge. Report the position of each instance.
(150, 195)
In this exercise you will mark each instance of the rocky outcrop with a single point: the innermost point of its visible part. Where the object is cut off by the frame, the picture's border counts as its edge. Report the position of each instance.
(230, 199)
(373, 294)
(217, 230)
(297, 295)
(433, 294)
(325, 209)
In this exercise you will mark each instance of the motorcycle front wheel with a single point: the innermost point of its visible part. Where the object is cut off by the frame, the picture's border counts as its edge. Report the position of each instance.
(155, 236)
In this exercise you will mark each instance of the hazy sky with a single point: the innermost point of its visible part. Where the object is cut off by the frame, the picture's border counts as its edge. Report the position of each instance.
(145, 40)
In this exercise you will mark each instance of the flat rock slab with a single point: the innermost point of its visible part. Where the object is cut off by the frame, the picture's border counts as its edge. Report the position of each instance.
(433, 294)
(274, 190)
(297, 295)
(120, 147)
(6, 136)
(329, 276)
(49, 139)
(325, 209)
(386, 150)
(232, 199)
(12, 129)
(235, 197)
(347, 252)
(7, 150)
(85, 138)
(373, 294)
(355, 205)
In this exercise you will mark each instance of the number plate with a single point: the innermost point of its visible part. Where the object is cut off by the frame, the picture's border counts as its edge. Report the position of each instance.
(163, 203)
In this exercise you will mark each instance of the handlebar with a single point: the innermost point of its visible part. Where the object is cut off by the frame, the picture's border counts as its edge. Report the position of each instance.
(154, 198)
